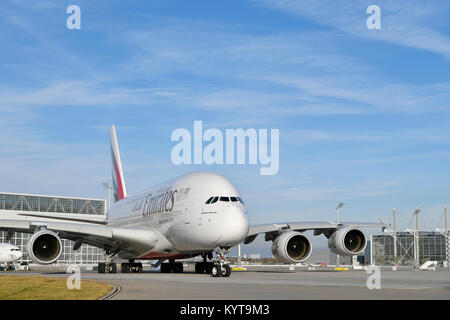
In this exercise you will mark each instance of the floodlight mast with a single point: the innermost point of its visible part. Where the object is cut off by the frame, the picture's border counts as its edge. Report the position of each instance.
(446, 234)
(108, 186)
(239, 255)
(339, 206)
(447, 238)
(416, 237)
(395, 235)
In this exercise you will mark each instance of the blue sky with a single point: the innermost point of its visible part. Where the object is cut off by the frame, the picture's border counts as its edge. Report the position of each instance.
(363, 114)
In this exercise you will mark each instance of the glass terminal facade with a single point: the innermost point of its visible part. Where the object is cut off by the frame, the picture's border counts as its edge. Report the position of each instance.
(20, 202)
(50, 204)
(432, 247)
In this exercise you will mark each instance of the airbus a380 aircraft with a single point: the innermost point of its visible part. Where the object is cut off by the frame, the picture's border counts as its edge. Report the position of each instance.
(196, 214)
(9, 254)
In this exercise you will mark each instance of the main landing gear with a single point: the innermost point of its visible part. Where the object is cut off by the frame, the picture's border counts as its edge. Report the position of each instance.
(110, 267)
(172, 266)
(104, 267)
(131, 267)
(107, 266)
(202, 267)
(219, 268)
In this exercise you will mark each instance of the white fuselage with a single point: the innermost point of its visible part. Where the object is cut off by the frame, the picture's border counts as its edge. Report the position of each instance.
(9, 253)
(178, 213)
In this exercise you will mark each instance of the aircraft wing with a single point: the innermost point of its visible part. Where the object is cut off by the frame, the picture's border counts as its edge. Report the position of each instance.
(318, 227)
(135, 241)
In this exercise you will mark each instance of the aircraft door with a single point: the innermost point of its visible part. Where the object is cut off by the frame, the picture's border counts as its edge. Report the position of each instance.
(187, 212)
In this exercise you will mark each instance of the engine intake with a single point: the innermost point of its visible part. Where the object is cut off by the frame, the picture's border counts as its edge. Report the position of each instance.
(347, 241)
(291, 247)
(44, 247)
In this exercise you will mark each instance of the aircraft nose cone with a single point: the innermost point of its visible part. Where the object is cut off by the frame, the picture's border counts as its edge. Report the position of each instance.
(234, 227)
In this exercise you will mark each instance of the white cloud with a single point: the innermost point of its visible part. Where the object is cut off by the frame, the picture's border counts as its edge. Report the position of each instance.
(276, 74)
(373, 95)
(405, 23)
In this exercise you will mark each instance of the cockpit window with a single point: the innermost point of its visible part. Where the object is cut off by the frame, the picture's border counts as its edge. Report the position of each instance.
(212, 200)
(15, 249)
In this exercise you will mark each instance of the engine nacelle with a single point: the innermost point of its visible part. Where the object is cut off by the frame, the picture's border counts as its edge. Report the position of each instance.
(291, 247)
(347, 241)
(44, 247)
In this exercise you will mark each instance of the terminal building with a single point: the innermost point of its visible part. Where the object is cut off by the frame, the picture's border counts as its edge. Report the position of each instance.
(21, 204)
(432, 246)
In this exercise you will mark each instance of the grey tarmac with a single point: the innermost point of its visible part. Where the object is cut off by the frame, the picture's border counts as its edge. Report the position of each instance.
(271, 284)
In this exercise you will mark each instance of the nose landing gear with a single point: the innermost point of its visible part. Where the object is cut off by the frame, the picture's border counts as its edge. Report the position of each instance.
(217, 268)
(221, 267)
(221, 271)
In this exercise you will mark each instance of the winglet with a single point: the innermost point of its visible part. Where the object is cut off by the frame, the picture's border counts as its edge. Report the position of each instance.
(120, 192)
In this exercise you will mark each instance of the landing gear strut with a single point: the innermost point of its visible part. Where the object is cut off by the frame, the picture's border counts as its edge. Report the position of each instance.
(107, 266)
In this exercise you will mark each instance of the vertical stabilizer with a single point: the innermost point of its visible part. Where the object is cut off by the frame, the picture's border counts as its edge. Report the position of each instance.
(119, 189)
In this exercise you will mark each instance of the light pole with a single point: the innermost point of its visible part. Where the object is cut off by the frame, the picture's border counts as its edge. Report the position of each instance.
(416, 237)
(107, 185)
(239, 255)
(339, 206)
(395, 235)
(447, 238)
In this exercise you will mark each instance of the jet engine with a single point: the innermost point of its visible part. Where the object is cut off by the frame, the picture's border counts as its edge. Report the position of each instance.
(347, 241)
(291, 247)
(44, 247)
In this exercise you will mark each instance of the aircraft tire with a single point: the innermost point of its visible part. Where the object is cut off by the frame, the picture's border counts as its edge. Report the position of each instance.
(177, 267)
(226, 271)
(165, 268)
(125, 267)
(101, 267)
(200, 267)
(216, 271)
(136, 267)
(208, 267)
